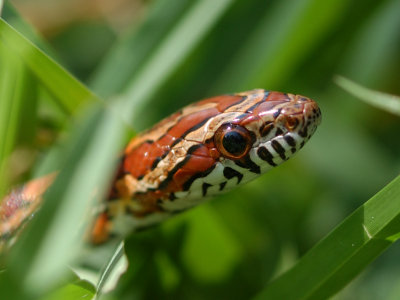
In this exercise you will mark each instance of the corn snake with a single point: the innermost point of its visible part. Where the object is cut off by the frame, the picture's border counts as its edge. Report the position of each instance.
(202, 150)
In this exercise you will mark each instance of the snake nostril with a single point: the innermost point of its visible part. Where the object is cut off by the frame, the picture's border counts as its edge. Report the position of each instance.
(291, 123)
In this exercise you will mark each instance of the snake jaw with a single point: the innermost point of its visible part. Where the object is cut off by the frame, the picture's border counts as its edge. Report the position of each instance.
(294, 122)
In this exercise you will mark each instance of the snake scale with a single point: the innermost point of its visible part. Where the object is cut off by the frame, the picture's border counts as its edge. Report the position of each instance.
(204, 149)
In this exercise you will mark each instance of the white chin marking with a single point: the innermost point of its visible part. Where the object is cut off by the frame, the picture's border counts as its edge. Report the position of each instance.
(179, 204)
(264, 166)
(279, 149)
(246, 173)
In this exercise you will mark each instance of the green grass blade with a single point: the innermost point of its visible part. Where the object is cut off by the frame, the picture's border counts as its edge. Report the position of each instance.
(115, 267)
(345, 252)
(14, 19)
(43, 251)
(387, 102)
(14, 82)
(129, 55)
(68, 91)
(187, 33)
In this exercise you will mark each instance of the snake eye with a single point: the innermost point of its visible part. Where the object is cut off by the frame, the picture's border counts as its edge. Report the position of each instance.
(233, 141)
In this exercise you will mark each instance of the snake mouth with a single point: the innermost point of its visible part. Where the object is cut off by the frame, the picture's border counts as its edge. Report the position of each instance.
(293, 126)
(276, 150)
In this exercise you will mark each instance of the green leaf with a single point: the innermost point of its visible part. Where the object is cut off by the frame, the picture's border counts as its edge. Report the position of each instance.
(345, 252)
(387, 102)
(69, 93)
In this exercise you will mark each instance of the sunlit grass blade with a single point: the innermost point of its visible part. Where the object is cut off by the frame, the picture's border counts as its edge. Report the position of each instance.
(345, 252)
(43, 251)
(130, 53)
(387, 102)
(14, 19)
(68, 91)
(168, 55)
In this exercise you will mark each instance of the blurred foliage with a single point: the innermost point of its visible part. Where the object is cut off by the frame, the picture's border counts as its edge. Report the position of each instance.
(176, 52)
(387, 102)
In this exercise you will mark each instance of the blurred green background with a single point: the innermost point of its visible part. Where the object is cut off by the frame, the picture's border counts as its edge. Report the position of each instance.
(169, 53)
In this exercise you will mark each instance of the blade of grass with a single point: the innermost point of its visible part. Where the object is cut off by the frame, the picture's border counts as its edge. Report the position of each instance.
(115, 267)
(14, 83)
(387, 102)
(187, 33)
(40, 256)
(14, 19)
(345, 252)
(129, 55)
(68, 91)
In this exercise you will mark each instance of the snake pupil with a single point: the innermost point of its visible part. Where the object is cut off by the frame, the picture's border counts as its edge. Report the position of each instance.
(234, 143)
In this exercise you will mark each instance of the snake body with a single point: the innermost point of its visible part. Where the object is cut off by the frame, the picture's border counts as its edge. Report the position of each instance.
(202, 150)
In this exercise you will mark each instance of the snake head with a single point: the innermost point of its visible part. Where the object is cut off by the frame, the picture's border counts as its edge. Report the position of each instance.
(264, 133)
(202, 150)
